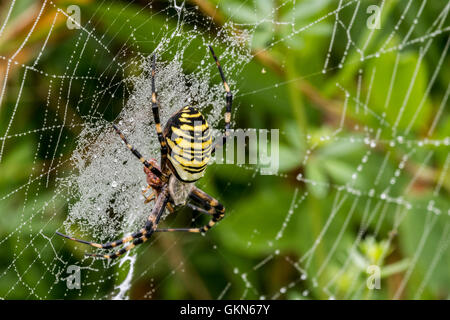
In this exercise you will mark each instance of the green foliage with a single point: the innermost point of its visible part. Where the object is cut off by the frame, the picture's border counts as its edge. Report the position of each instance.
(270, 95)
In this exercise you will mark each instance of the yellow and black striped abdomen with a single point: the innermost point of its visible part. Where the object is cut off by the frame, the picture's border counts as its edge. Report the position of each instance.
(189, 142)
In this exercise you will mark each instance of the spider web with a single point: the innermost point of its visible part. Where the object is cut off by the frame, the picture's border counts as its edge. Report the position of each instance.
(84, 182)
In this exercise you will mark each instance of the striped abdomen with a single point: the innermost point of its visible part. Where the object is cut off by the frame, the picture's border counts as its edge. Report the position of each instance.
(189, 142)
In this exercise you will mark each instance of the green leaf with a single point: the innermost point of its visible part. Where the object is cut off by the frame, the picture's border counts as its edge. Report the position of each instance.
(348, 147)
(340, 171)
(319, 182)
(305, 10)
(407, 101)
(413, 228)
(254, 224)
(239, 11)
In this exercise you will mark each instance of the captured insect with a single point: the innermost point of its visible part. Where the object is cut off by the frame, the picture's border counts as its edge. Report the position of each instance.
(186, 148)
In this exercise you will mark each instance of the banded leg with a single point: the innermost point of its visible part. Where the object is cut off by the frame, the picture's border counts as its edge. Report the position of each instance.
(152, 195)
(150, 227)
(194, 208)
(198, 209)
(212, 207)
(108, 245)
(170, 207)
(115, 243)
(155, 110)
(229, 100)
(138, 155)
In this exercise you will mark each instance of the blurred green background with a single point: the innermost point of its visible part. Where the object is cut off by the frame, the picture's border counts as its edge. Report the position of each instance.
(379, 132)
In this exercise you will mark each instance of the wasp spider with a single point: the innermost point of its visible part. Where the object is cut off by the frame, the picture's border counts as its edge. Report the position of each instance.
(186, 148)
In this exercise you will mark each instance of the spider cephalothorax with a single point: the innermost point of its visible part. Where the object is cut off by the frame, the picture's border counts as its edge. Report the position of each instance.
(186, 148)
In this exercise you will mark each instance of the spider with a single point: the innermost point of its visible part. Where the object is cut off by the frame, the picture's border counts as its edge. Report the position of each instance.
(186, 147)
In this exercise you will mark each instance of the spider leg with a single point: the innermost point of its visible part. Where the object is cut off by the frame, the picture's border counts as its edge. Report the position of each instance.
(212, 207)
(120, 252)
(194, 208)
(108, 245)
(170, 207)
(201, 210)
(150, 227)
(152, 195)
(155, 110)
(138, 155)
(229, 100)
